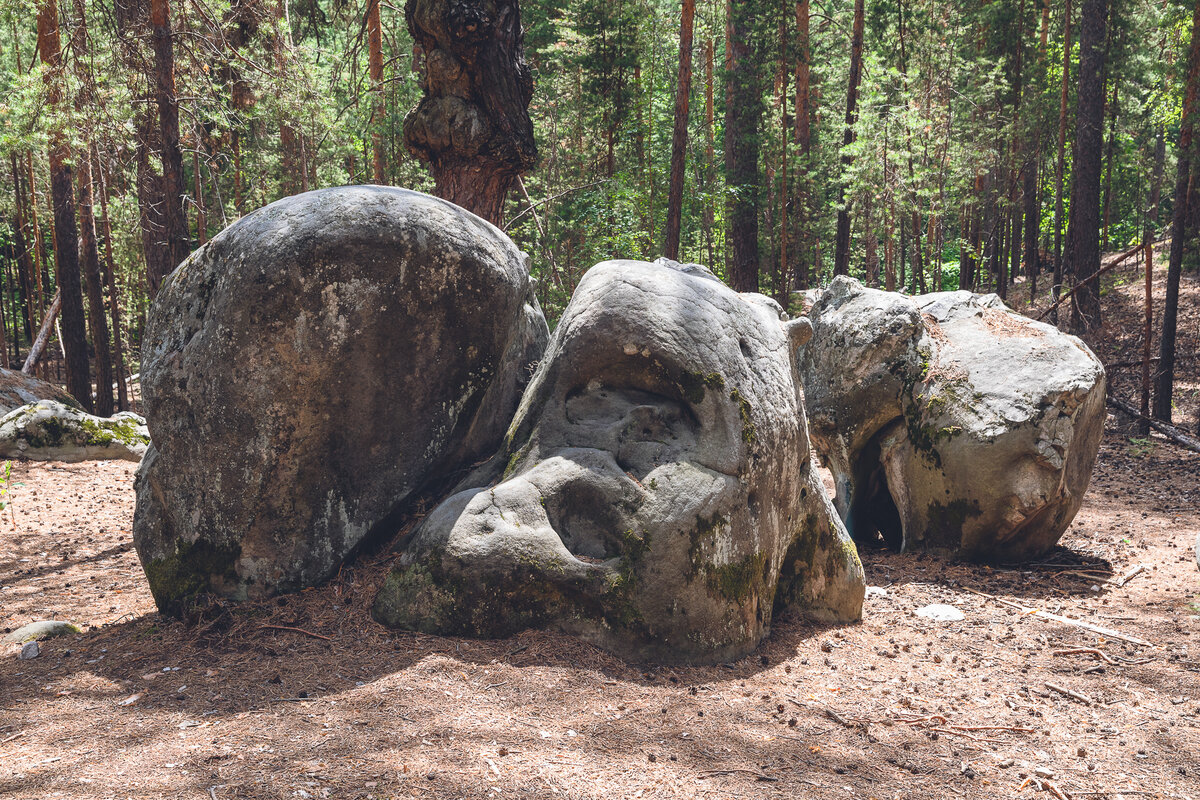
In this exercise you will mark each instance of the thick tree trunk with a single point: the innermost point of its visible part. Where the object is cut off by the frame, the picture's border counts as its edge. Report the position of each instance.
(841, 252)
(174, 219)
(1083, 229)
(472, 125)
(66, 236)
(743, 112)
(710, 150)
(1164, 384)
(1029, 194)
(679, 137)
(1060, 166)
(1108, 162)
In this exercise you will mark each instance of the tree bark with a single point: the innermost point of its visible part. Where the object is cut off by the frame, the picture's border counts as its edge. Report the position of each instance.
(743, 112)
(841, 253)
(1164, 384)
(472, 125)
(679, 137)
(1083, 227)
(95, 291)
(801, 249)
(1060, 166)
(1160, 152)
(66, 250)
(174, 219)
(110, 280)
(378, 106)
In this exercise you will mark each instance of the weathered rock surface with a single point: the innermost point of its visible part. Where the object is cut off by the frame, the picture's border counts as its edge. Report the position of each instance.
(655, 494)
(308, 371)
(18, 389)
(40, 630)
(50, 431)
(949, 422)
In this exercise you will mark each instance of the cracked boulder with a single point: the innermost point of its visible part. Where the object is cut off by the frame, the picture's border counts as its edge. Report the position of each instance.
(655, 494)
(310, 370)
(951, 423)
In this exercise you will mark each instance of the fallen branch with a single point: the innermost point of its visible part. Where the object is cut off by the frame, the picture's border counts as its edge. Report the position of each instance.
(712, 773)
(1044, 785)
(1078, 623)
(1087, 651)
(1082, 698)
(951, 732)
(16, 735)
(43, 336)
(1170, 431)
(297, 630)
(1133, 573)
(1133, 251)
(992, 728)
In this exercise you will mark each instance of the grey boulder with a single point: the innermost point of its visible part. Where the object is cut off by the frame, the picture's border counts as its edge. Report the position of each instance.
(655, 493)
(50, 431)
(949, 422)
(18, 389)
(310, 370)
(42, 629)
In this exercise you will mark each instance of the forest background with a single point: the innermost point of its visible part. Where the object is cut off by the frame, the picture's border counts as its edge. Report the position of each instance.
(916, 144)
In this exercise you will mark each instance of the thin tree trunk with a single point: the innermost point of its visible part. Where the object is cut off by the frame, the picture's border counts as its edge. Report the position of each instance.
(378, 107)
(679, 136)
(743, 111)
(1160, 152)
(174, 219)
(841, 256)
(1164, 384)
(1083, 227)
(66, 236)
(710, 154)
(95, 291)
(801, 251)
(25, 264)
(110, 280)
(1108, 161)
(1059, 170)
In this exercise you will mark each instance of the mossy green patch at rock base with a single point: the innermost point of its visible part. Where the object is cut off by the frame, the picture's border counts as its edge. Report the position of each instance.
(946, 522)
(178, 579)
(736, 581)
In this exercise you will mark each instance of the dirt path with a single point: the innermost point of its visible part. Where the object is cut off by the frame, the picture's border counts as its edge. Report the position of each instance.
(1003, 704)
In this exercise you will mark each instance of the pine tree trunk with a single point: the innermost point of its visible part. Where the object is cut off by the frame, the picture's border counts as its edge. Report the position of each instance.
(110, 280)
(841, 254)
(25, 265)
(1059, 170)
(1029, 194)
(66, 251)
(679, 136)
(1108, 162)
(472, 125)
(1083, 228)
(174, 219)
(710, 150)
(743, 112)
(1160, 153)
(801, 248)
(95, 291)
(378, 106)
(1164, 383)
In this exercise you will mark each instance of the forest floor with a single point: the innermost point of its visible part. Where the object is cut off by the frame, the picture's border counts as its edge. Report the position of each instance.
(306, 697)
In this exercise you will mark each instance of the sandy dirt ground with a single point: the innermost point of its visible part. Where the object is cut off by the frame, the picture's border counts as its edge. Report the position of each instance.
(306, 697)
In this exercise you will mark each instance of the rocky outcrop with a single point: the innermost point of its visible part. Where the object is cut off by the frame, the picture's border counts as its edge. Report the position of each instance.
(18, 389)
(655, 493)
(950, 422)
(312, 368)
(50, 431)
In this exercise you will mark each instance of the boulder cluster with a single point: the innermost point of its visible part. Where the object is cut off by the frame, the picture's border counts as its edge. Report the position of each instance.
(643, 479)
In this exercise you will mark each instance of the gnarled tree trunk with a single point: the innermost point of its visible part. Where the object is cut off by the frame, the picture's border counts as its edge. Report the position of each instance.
(472, 126)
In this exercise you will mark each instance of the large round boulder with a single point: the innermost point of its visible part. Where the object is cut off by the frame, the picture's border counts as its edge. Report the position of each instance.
(949, 422)
(309, 370)
(655, 494)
